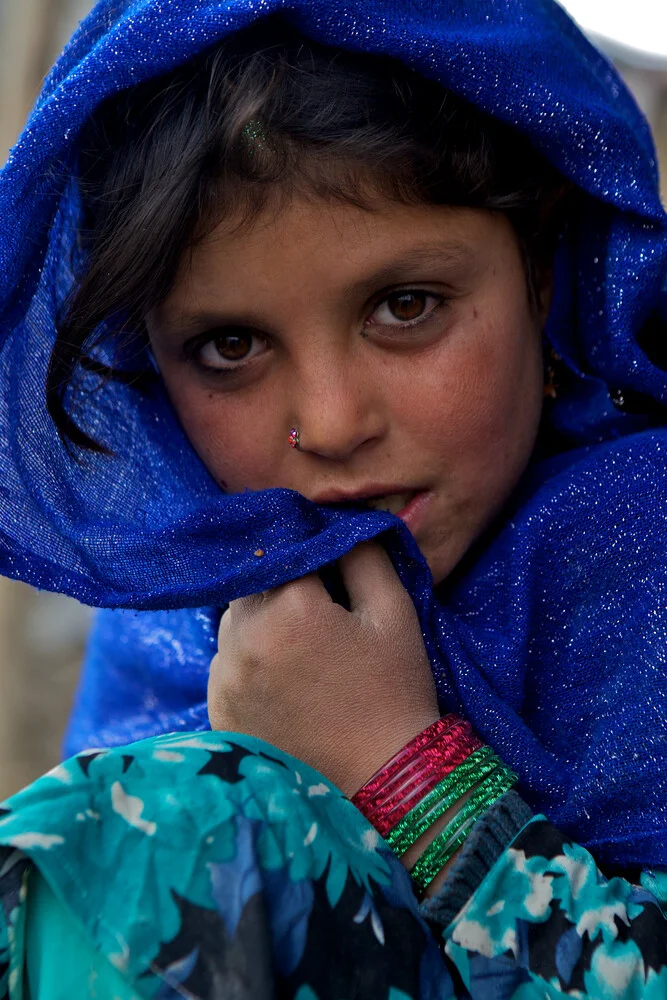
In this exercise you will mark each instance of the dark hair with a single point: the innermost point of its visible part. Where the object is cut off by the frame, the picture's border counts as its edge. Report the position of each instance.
(160, 164)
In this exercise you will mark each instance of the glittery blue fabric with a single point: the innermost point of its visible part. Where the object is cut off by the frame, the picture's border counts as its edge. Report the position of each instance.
(554, 640)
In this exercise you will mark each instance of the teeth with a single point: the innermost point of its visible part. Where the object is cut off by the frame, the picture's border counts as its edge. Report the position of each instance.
(391, 503)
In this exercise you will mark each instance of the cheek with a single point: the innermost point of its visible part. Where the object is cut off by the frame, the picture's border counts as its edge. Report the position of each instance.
(479, 403)
(501, 387)
(478, 420)
(238, 440)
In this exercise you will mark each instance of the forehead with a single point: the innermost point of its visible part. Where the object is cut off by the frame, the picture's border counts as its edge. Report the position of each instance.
(305, 225)
(314, 246)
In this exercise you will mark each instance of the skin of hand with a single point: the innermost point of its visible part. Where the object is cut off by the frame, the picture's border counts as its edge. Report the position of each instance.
(341, 690)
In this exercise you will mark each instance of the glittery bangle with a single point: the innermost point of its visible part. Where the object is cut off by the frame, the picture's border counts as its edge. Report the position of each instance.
(409, 794)
(449, 840)
(485, 794)
(453, 787)
(388, 774)
(441, 757)
(401, 783)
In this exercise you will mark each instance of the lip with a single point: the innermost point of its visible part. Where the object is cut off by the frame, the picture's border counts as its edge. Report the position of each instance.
(366, 493)
(414, 512)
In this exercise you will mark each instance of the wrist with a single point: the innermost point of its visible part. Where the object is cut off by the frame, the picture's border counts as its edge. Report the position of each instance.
(426, 799)
(377, 745)
(416, 850)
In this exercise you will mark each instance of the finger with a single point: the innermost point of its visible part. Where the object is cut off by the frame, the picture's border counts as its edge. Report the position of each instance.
(370, 579)
(225, 626)
(305, 591)
(242, 607)
(241, 614)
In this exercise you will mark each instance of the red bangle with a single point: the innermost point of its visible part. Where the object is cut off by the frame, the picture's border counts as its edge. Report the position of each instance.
(415, 770)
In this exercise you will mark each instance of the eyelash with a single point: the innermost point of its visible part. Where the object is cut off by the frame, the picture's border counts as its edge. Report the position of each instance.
(440, 301)
(194, 347)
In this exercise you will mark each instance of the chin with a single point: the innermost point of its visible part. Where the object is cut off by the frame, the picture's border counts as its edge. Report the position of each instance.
(440, 566)
(444, 561)
(439, 575)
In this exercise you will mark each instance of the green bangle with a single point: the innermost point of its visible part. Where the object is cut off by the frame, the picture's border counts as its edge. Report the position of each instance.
(449, 840)
(440, 850)
(454, 786)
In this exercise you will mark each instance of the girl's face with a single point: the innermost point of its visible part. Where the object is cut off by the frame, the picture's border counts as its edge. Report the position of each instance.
(400, 342)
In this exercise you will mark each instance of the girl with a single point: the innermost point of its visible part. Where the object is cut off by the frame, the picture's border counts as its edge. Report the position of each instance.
(324, 257)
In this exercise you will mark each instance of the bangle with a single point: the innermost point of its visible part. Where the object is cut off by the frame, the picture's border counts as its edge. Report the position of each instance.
(478, 765)
(367, 796)
(448, 841)
(443, 765)
(402, 782)
(442, 757)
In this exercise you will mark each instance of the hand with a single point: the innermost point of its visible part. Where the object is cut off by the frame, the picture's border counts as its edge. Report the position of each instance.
(341, 690)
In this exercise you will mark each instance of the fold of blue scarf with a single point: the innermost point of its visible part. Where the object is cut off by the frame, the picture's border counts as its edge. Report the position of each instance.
(554, 640)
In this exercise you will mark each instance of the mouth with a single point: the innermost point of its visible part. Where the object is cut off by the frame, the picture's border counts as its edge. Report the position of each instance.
(379, 496)
(413, 507)
(392, 503)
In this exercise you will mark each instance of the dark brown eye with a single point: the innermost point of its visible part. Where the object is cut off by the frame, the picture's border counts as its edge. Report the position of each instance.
(230, 349)
(404, 309)
(407, 306)
(234, 346)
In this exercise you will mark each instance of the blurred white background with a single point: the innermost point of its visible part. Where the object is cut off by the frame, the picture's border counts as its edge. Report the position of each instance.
(41, 635)
(636, 32)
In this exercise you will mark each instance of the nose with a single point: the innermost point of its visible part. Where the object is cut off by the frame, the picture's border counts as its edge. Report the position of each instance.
(338, 412)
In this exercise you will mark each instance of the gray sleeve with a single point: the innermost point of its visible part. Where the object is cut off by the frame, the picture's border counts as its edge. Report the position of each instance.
(489, 838)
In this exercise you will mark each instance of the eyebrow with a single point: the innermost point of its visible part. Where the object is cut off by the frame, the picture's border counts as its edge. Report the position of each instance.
(432, 254)
(435, 253)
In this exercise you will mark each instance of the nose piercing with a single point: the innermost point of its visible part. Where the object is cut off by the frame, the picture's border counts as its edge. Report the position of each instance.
(294, 438)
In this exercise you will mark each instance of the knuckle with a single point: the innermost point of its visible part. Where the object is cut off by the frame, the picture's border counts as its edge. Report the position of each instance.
(215, 667)
(295, 615)
(225, 625)
(397, 612)
(245, 610)
(293, 600)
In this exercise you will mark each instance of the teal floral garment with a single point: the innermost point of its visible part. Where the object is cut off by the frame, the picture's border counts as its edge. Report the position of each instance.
(215, 866)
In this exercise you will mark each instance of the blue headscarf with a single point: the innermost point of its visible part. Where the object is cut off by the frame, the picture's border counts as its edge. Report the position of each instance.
(554, 641)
